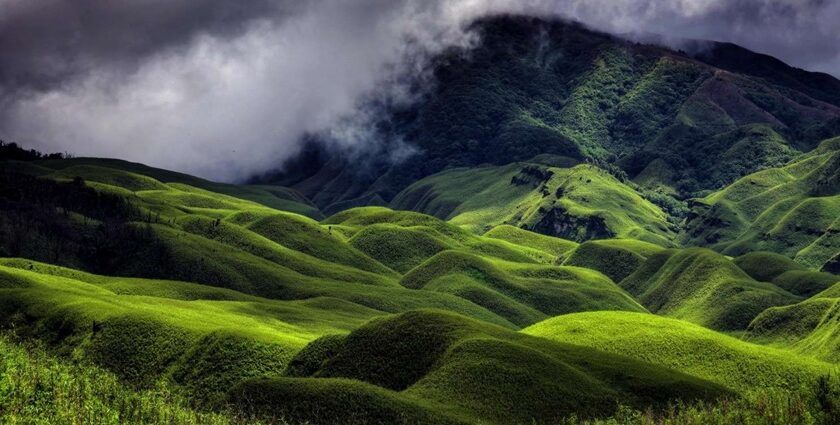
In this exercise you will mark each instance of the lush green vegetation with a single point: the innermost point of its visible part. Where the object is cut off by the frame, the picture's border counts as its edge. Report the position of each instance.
(540, 258)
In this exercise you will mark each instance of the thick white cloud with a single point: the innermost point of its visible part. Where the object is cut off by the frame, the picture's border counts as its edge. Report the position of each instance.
(231, 91)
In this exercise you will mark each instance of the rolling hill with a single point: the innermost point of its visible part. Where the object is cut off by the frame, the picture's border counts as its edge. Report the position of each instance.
(588, 230)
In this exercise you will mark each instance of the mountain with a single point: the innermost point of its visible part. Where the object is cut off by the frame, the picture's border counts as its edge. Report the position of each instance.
(678, 122)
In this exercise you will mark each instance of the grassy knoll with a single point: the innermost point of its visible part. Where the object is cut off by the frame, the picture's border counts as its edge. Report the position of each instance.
(579, 203)
(436, 363)
(811, 327)
(703, 287)
(520, 293)
(616, 258)
(684, 347)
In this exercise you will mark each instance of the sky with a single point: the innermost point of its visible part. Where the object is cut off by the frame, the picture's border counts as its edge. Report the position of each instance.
(226, 88)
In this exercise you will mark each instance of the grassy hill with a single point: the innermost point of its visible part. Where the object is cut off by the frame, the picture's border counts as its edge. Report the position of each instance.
(579, 203)
(790, 210)
(703, 287)
(430, 365)
(682, 346)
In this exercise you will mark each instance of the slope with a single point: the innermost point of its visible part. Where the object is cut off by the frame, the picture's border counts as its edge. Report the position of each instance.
(684, 347)
(579, 203)
(790, 210)
(703, 287)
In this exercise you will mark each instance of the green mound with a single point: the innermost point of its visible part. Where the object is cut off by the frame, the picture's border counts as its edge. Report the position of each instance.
(397, 247)
(805, 283)
(766, 266)
(616, 258)
(520, 293)
(555, 247)
(684, 347)
(480, 372)
(578, 204)
(331, 401)
(703, 287)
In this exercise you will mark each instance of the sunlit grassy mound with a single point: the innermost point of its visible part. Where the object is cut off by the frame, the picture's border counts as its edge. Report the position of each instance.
(703, 287)
(579, 203)
(523, 294)
(405, 239)
(616, 258)
(453, 366)
(556, 247)
(684, 347)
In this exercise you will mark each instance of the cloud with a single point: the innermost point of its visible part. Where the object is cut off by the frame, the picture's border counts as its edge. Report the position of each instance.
(225, 88)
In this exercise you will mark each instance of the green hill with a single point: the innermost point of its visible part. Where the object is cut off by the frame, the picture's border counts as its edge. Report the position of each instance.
(523, 294)
(703, 287)
(429, 364)
(683, 347)
(811, 327)
(616, 258)
(579, 203)
(790, 210)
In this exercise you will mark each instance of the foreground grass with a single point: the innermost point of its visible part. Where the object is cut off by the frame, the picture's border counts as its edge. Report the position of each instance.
(36, 388)
(815, 405)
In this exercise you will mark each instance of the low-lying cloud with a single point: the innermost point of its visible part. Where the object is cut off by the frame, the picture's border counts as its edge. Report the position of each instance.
(225, 88)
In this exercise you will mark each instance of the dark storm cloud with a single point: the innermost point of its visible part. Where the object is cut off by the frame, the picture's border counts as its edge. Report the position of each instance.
(45, 42)
(224, 88)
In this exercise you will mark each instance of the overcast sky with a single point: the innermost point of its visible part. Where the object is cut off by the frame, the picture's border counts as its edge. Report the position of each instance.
(225, 88)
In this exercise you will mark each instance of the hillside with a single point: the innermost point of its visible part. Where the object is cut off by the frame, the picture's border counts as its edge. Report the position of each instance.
(531, 87)
(578, 203)
(790, 210)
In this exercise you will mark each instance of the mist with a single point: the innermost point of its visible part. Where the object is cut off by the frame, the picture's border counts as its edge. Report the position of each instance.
(223, 90)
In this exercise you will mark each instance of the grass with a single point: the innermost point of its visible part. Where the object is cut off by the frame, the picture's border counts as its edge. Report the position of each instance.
(703, 287)
(37, 388)
(685, 347)
(520, 293)
(790, 210)
(579, 203)
(811, 327)
(616, 258)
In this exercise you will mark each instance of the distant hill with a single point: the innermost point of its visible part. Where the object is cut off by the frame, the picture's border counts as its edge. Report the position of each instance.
(683, 123)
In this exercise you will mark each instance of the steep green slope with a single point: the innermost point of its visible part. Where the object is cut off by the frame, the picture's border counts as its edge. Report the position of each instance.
(703, 287)
(684, 347)
(456, 367)
(791, 210)
(579, 203)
